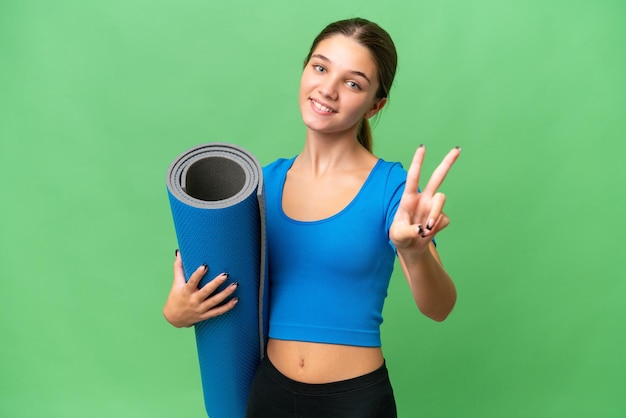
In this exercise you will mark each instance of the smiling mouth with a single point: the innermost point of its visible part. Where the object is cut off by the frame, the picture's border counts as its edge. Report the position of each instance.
(321, 107)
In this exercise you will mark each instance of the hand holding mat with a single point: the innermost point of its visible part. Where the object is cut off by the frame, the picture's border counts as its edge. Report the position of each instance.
(217, 202)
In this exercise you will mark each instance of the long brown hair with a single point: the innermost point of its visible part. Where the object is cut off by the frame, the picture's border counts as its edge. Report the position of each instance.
(383, 50)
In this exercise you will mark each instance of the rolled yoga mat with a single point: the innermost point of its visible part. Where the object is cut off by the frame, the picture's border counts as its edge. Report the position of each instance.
(217, 202)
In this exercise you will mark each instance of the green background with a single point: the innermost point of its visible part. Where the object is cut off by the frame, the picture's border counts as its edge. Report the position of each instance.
(97, 99)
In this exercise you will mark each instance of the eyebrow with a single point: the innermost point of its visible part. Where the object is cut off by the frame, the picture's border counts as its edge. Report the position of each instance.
(355, 72)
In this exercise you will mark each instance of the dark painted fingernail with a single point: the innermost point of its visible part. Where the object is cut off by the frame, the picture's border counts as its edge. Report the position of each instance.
(459, 148)
(204, 266)
(420, 230)
(226, 275)
(421, 146)
(235, 300)
(430, 224)
(235, 284)
(176, 253)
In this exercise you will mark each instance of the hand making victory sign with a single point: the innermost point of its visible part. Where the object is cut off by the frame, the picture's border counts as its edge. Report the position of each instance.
(420, 217)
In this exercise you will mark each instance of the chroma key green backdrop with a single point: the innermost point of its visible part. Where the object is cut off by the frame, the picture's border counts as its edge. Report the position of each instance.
(97, 98)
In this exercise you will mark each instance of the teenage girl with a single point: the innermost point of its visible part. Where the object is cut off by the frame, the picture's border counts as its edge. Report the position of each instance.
(337, 216)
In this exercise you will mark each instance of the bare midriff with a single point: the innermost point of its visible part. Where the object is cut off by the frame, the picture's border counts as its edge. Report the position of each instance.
(322, 363)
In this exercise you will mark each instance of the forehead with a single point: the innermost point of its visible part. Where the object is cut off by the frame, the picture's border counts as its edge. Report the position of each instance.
(347, 53)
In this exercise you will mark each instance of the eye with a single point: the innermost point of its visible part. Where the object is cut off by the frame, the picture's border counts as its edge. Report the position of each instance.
(353, 85)
(319, 68)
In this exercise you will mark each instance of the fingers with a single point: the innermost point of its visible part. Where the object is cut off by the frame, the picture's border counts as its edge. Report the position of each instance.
(443, 221)
(179, 274)
(437, 202)
(413, 174)
(194, 280)
(440, 223)
(220, 310)
(440, 173)
(187, 304)
(206, 296)
(404, 234)
(208, 289)
(196, 276)
(215, 302)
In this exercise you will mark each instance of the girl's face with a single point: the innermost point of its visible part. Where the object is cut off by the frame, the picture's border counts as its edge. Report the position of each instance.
(338, 87)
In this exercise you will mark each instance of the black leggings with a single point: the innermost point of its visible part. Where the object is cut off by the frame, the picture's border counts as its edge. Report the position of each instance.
(274, 395)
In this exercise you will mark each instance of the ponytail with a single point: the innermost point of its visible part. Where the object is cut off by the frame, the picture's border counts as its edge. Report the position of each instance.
(364, 136)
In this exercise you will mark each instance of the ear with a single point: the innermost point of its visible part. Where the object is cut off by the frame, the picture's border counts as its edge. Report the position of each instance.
(379, 104)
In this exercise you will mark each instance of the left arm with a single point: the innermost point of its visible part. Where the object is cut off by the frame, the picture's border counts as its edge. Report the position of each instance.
(433, 289)
(418, 219)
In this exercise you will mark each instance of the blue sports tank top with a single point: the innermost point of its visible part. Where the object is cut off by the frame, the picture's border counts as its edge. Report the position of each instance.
(328, 278)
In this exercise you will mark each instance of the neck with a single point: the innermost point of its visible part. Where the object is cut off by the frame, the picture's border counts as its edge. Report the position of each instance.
(323, 153)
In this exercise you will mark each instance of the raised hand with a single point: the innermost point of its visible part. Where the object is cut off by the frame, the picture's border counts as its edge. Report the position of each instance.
(186, 304)
(420, 214)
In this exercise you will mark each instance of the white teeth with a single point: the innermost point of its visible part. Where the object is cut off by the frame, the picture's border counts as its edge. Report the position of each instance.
(322, 107)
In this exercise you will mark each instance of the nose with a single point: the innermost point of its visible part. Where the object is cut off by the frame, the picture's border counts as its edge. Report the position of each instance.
(328, 88)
